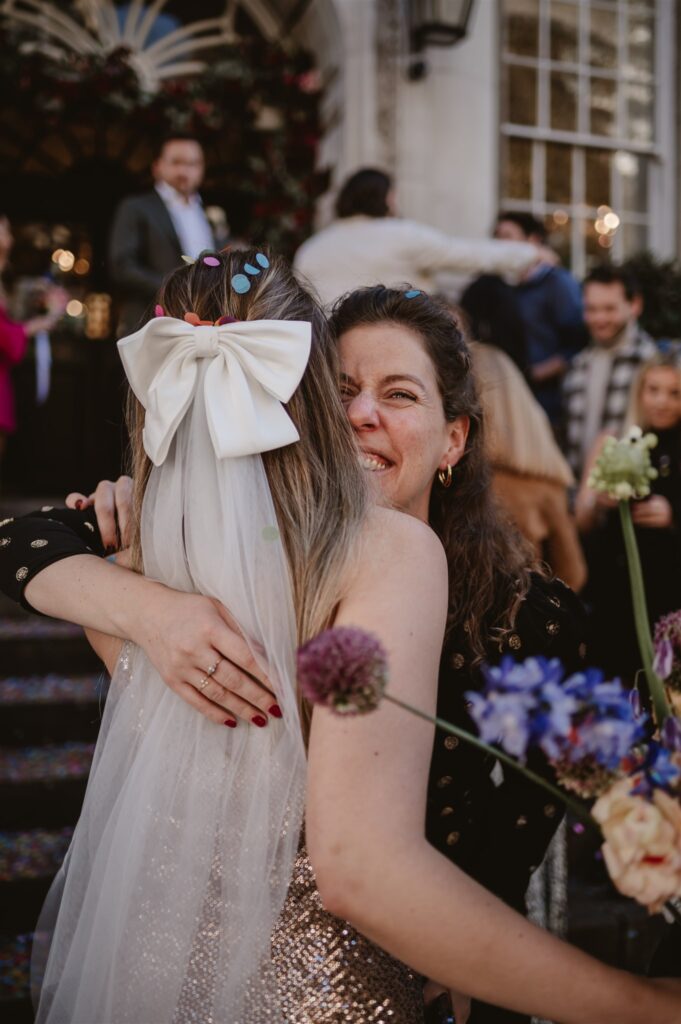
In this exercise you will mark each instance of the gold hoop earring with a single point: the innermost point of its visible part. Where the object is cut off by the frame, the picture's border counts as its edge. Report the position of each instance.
(445, 476)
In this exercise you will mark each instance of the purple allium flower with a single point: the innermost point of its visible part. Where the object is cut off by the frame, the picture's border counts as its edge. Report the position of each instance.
(345, 669)
(667, 642)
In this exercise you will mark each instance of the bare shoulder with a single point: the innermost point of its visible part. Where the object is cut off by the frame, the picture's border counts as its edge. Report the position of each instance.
(399, 592)
(394, 543)
(389, 522)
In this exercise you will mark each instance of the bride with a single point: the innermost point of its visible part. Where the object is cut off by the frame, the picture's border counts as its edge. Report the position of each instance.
(191, 891)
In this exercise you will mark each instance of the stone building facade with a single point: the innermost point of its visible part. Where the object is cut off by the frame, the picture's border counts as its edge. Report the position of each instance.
(566, 108)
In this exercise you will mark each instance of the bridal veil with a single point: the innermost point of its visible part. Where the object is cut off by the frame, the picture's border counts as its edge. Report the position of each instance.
(180, 863)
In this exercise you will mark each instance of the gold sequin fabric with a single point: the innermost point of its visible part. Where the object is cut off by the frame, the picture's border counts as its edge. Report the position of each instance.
(327, 973)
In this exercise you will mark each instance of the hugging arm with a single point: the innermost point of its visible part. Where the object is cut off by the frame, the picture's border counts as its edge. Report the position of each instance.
(51, 562)
(365, 824)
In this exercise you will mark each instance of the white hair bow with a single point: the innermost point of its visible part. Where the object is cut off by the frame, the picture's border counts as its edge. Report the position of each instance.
(255, 366)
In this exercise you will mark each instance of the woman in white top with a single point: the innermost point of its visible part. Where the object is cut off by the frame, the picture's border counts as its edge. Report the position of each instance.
(369, 245)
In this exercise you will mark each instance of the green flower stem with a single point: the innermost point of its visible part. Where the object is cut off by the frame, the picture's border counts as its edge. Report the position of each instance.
(558, 794)
(638, 595)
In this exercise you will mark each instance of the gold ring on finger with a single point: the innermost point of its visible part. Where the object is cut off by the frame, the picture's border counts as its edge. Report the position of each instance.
(204, 682)
(212, 669)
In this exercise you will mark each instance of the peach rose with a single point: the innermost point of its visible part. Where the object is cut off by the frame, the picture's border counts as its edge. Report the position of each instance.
(642, 848)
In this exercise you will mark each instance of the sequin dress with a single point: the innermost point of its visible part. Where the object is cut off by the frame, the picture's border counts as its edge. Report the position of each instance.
(327, 973)
(321, 970)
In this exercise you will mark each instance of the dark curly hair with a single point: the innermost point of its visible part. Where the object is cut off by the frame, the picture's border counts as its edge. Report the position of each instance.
(489, 562)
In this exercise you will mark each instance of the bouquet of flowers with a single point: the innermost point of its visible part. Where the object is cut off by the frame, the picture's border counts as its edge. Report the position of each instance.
(600, 743)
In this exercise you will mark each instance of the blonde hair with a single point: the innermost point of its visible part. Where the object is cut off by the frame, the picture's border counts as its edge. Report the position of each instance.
(671, 360)
(318, 486)
(519, 438)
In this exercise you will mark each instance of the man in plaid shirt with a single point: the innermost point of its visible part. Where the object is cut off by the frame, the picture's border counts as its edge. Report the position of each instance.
(597, 386)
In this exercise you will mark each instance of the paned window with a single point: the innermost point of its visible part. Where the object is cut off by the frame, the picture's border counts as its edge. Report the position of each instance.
(580, 121)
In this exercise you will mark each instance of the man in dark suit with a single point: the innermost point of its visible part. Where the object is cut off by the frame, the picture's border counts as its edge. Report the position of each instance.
(152, 231)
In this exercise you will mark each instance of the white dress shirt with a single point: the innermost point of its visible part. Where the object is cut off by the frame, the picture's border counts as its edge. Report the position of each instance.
(189, 220)
(357, 251)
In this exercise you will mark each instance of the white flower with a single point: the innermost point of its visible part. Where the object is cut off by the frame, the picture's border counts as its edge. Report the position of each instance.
(623, 469)
(642, 851)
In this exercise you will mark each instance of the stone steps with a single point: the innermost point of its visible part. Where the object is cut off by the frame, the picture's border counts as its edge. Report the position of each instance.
(50, 710)
(51, 697)
(34, 645)
(28, 862)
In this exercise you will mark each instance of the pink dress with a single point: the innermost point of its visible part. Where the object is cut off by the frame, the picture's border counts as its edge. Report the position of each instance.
(13, 343)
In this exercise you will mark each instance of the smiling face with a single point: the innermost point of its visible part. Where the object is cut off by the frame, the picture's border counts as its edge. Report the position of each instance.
(660, 398)
(607, 310)
(391, 395)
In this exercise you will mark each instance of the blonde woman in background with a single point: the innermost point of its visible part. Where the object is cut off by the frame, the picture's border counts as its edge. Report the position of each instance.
(655, 404)
(530, 475)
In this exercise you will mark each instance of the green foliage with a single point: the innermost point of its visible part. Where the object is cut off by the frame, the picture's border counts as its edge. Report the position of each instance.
(255, 109)
(660, 282)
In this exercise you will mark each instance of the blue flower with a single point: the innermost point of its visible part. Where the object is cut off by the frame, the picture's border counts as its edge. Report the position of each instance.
(608, 740)
(503, 719)
(580, 719)
(554, 720)
(581, 685)
(658, 771)
(524, 705)
(521, 676)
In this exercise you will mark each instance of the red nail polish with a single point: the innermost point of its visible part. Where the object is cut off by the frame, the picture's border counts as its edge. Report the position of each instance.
(275, 711)
(79, 504)
(259, 721)
(230, 723)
